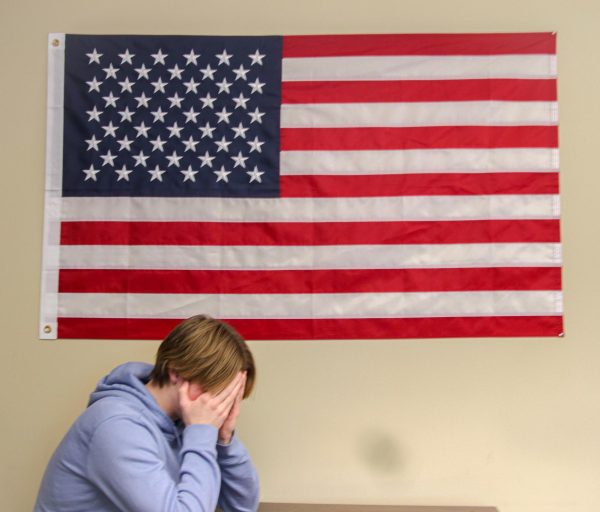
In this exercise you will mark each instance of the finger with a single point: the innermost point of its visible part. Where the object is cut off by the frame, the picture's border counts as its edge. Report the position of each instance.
(231, 387)
(234, 410)
(242, 387)
(237, 403)
(231, 398)
(236, 391)
(239, 395)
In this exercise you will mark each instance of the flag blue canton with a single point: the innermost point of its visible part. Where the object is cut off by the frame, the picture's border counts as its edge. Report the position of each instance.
(172, 116)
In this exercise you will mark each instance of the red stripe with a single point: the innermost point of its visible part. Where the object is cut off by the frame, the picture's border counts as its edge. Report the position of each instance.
(430, 184)
(324, 329)
(418, 44)
(423, 137)
(115, 328)
(419, 90)
(306, 233)
(309, 281)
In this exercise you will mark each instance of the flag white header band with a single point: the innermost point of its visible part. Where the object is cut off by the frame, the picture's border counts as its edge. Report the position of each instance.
(53, 187)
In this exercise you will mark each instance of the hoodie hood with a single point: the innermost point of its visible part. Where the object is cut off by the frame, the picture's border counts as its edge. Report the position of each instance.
(127, 382)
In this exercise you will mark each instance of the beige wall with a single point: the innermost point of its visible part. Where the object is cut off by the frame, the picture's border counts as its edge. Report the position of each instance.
(513, 423)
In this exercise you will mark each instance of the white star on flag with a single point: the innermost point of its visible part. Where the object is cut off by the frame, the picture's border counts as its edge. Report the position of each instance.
(256, 116)
(142, 130)
(157, 144)
(191, 58)
(208, 101)
(127, 57)
(140, 159)
(159, 85)
(257, 58)
(240, 160)
(222, 174)
(158, 115)
(255, 145)
(240, 131)
(94, 114)
(92, 143)
(126, 115)
(190, 115)
(125, 143)
(142, 100)
(123, 173)
(173, 159)
(189, 174)
(241, 72)
(111, 71)
(256, 86)
(126, 85)
(175, 100)
(207, 130)
(175, 130)
(208, 72)
(224, 86)
(240, 101)
(190, 144)
(108, 158)
(223, 145)
(255, 175)
(224, 57)
(90, 174)
(206, 159)
(159, 58)
(111, 100)
(94, 85)
(94, 56)
(110, 129)
(175, 72)
(156, 174)
(143, 72)
(191, 86)
(223, 116)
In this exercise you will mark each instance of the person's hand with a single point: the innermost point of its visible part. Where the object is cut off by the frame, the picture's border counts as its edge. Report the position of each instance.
(226, 430)
(208, 408)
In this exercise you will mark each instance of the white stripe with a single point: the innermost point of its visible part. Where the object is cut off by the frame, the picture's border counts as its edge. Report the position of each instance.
(53, 190)
(326, 305)
(309, 209)
(419, 161)
(442, 113)
(309, 257)
(418, 67)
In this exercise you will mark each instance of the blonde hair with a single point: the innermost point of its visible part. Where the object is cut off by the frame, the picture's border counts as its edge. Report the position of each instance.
(206, 351)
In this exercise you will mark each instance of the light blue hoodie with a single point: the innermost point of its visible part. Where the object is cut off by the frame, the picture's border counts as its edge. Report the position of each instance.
(124, 453)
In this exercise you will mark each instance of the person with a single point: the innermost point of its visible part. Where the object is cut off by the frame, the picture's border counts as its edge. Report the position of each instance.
(162, 438)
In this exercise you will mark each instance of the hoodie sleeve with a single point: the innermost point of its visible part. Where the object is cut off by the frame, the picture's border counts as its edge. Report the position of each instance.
(125, 463)
(239, 479)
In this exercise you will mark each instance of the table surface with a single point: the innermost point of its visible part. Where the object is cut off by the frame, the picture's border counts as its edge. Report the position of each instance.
(305, 507)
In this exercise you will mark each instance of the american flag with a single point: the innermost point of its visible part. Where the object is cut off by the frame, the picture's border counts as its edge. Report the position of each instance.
(303, 187)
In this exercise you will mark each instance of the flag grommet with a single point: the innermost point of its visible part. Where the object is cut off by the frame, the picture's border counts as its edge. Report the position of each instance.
(47, 329)
(55, 42)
